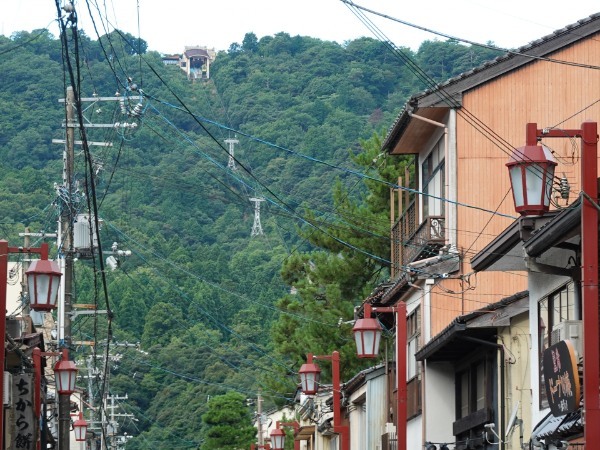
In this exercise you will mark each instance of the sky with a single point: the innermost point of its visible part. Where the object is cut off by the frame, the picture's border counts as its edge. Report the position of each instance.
(169, 26)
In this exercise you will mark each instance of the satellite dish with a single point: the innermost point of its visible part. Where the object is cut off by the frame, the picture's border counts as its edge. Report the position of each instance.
(513, 419)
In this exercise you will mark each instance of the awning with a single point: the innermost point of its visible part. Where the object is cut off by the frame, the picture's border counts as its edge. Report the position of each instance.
(551, 427)
(305, 433)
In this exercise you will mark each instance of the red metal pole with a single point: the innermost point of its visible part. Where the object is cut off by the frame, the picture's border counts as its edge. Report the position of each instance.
(3, 289)
(401, 374)
(589, 273)
(342, 430)
(37, 387)
(401, 342)
(589, 268)
(338, 428)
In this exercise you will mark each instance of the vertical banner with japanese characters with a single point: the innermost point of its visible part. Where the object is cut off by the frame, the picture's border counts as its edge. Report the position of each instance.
(562, 378)
(24, 425)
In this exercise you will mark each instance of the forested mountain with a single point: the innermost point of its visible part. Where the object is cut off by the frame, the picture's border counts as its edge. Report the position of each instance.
(214, 309)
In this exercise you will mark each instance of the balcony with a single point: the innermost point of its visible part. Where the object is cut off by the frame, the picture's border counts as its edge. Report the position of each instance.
(389, 441)
(411, 242)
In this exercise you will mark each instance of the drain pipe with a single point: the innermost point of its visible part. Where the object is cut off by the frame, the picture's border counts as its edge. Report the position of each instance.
(500, 348)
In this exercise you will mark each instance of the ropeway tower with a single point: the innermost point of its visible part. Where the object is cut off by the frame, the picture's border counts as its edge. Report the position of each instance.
(231, 143)
(256, 227)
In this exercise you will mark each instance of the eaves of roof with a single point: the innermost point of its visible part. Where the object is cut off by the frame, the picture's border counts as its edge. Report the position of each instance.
(449, 93)
(555, 231)
(360, 378)
(514, 235)
(447, 345)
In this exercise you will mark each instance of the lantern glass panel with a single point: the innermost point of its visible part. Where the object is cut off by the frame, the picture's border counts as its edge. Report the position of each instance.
(65, 381)
(517, 185)
(549, 178)
(534, 175)
(80, 431)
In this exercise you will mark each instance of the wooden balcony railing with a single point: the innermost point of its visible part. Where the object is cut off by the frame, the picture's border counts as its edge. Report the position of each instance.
(412, 241)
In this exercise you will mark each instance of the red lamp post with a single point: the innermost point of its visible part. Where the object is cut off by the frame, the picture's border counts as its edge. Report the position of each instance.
(309, 378)
(37, 395)
(278, 435)
(48, 282)
(589, 255)
(367, 334)
(80, 428)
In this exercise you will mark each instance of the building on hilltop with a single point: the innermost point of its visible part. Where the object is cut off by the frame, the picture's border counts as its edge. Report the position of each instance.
(195, 61)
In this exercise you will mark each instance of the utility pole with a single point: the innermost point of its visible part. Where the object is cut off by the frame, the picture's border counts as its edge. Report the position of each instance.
(259, 412)
(24, 287)
(231, 162)
(66, 233)
(113, 423)
(65, 236)
(256, 227)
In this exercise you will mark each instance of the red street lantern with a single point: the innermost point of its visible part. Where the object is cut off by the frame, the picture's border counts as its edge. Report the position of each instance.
(309, 376)
(277, 439)
(531, 170)
(80, 428)
(43, 279)
(367, 334)
(65, 373)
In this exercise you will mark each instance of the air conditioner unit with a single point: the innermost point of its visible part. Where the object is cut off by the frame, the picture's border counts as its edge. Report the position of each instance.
(7, 390)
(571, 330)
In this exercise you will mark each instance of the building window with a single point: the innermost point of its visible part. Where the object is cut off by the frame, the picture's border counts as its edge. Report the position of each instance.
(560, 306)
(432, 171)
(413, 335)
(472, 389)
(413, 373)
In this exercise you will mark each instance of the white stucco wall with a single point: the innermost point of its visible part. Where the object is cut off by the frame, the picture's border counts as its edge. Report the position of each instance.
(438, 403)
(517, 344)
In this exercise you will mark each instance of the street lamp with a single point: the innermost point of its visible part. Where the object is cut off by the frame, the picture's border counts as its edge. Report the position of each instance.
(310, 374)
(80, 428)
(278, 435)
(277, 439)
(5, 250)
(531, 170)
(65, 373)
(43, 279)
(589, 255)
(309, 381)
(367, 334)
